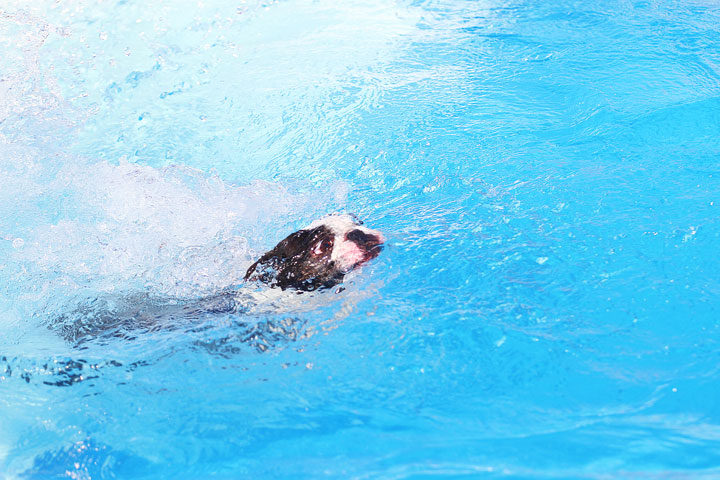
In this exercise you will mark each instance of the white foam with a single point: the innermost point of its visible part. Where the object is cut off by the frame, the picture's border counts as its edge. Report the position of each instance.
(172, 231)
(71, 224)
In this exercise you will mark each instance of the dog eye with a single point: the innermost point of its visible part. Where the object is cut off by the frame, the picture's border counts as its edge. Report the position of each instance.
(322, 246)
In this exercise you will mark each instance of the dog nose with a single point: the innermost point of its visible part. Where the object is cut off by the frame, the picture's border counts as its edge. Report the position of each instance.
(363, 239)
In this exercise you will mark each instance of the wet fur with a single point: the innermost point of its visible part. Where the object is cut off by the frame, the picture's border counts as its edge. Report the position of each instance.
(313, 258)
(318, 256)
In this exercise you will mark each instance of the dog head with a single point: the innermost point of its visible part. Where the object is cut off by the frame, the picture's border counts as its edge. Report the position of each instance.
(319, 255)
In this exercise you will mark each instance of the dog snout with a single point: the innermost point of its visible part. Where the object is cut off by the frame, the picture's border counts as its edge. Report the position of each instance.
(363, 239)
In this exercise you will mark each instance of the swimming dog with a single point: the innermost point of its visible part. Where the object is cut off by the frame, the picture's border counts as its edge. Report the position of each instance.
(318, 256)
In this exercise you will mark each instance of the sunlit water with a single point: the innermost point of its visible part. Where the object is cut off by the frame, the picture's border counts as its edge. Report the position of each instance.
(547, 175)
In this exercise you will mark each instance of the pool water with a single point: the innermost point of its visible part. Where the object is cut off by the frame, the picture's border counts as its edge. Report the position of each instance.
(547, 175)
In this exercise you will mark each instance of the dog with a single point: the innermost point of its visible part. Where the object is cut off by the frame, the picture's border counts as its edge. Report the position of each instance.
(318, 256)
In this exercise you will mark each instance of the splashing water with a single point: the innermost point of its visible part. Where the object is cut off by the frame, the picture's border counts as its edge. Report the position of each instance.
(546, 176)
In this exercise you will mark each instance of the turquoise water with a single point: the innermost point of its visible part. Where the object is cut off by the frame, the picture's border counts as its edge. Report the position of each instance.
(546, 174)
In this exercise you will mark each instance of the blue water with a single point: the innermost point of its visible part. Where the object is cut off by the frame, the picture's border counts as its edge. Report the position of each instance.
(547, 175)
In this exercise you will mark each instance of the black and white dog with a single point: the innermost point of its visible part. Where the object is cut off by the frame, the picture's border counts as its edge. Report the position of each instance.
(314, 258)
(319, 255)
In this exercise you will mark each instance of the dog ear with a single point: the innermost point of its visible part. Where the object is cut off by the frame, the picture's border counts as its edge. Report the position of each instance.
(270, 259)
(251, 270)
(282, 251)
(301, 261)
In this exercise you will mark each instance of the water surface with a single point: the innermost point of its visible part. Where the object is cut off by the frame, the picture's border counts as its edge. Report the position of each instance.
(547, 176)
